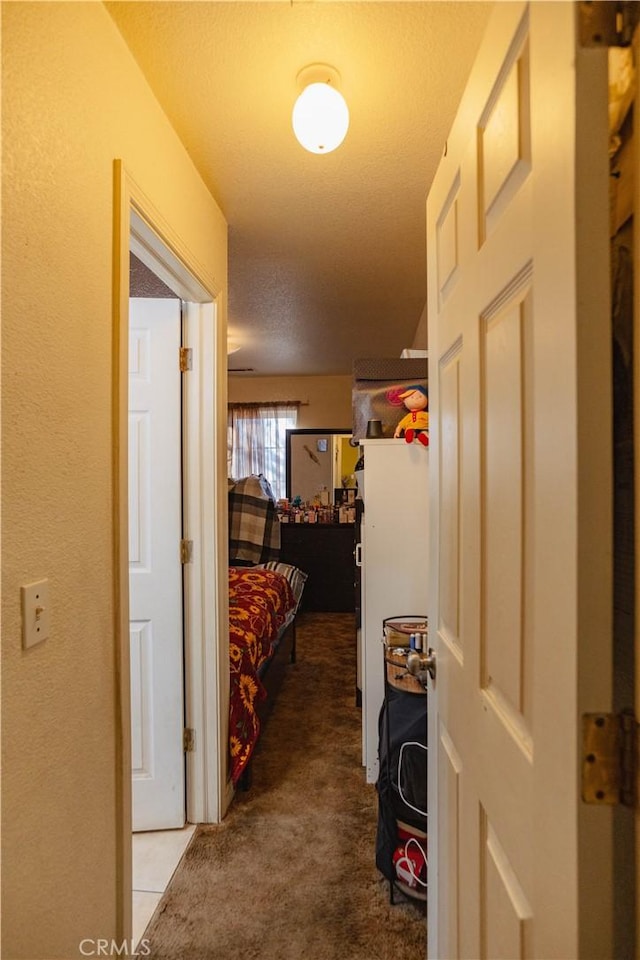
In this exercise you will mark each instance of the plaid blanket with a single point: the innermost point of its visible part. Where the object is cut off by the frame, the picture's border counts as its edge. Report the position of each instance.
(254, 528)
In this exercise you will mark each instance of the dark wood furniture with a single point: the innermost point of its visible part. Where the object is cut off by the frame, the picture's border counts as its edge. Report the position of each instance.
(324, 551)
(271, 677)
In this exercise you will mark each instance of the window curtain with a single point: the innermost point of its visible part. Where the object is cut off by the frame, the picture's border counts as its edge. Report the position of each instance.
(257, 441)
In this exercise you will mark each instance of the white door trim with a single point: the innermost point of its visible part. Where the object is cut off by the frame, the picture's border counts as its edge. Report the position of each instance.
(139, 225)
(206, 589)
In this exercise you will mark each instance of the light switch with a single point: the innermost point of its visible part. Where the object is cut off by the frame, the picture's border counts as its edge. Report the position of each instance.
(35, 612)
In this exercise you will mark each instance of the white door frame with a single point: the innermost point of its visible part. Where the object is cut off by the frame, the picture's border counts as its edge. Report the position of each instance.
(139, 226)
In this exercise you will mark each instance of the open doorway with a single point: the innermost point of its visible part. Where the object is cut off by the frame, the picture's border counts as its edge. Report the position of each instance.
(157, 558)
(199, 709)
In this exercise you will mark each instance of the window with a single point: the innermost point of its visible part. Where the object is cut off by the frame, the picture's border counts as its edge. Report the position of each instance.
(256, 441)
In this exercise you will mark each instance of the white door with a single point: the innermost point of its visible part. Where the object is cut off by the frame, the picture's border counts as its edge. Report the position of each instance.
(155, 571)
(520, 598)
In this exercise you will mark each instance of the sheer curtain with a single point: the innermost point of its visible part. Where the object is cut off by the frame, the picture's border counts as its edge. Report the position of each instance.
(256, 441)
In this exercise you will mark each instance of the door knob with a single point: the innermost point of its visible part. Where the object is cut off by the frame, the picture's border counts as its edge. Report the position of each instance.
(418, 663)
(430, 663)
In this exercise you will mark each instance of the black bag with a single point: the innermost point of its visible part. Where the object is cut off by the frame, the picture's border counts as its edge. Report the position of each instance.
(402, 781)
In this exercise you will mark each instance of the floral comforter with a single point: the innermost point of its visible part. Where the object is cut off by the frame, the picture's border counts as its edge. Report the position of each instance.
(261, 602)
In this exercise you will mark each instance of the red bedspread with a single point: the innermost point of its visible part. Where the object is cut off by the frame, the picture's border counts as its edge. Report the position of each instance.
(260, 601)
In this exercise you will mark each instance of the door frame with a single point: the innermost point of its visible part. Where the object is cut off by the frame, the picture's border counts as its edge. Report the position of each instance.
(139, 226)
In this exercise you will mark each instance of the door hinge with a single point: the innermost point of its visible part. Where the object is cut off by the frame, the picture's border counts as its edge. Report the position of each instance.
(186, 359)
(186, 551)
(610, 758)
(188, 740)
(603, 23)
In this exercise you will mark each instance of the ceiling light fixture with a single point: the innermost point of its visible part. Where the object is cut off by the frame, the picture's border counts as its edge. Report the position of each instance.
(320, 115)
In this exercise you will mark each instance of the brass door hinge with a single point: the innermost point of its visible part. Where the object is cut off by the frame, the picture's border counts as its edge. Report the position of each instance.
(610, 758)
(186, 551)
(186, 359)
(188, 740)
(605, 23)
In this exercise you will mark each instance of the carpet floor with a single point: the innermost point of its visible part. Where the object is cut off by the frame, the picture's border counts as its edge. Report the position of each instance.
(290, 873)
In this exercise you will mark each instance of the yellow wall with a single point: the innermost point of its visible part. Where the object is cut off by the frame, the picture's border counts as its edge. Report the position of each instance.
(349, 458)
(329, 398)
(73, 100)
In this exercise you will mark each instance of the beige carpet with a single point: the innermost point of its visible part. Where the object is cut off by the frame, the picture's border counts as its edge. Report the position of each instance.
(290, 873)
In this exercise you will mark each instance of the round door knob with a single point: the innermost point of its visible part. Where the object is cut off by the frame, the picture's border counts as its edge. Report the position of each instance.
(418, 663)
(430, 663)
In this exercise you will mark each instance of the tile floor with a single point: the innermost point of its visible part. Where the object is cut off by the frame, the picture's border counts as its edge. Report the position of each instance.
(155, 857)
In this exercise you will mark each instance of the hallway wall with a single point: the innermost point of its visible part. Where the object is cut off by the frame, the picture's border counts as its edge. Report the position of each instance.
(327, 400)
(73, 101)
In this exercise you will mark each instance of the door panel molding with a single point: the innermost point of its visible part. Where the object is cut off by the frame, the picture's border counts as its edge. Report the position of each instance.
(520, 580)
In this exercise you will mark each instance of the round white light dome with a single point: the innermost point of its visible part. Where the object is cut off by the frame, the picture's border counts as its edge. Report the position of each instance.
(320, 118)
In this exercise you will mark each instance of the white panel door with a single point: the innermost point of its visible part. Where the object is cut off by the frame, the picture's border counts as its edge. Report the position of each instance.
(155, 571)
(520, 601)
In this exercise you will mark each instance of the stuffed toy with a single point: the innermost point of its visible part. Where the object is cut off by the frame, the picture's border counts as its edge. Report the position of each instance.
(415, 425)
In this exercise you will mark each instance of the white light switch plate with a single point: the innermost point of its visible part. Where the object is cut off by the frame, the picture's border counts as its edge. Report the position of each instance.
(35, 612)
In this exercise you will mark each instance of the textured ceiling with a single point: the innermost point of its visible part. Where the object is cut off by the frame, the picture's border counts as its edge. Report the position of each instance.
(144, 283)
(326, 253)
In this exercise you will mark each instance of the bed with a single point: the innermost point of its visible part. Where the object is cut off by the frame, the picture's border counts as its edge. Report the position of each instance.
(263, 601)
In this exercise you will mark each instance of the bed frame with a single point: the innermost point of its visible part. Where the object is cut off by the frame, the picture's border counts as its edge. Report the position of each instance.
(271, 676)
